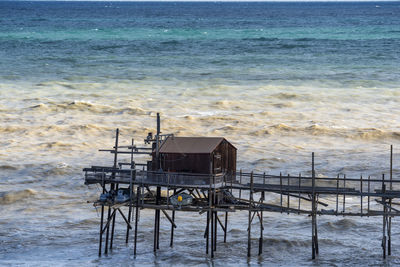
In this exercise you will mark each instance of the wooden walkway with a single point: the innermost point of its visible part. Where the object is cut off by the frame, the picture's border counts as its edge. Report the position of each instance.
(250, 191)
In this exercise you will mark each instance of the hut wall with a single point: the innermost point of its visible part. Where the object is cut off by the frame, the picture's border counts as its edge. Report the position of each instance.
(190, 163)
(228, 158)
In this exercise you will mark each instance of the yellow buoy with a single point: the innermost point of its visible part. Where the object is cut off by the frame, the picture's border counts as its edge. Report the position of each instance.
(180, 198)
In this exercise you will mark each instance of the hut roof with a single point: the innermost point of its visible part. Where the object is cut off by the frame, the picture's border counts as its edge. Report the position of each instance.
(190, 144)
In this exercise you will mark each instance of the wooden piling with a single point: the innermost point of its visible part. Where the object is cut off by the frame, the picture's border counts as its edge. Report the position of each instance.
(101, 228)
(113, 186)
(171, 243)
(136, 218)
(113, 226)
(129, 214)
(361, 196)
(390, 204)
(250, 209)
(260, 241)
(108, 230)
(212, 234)
(215, 230)
(101, 217)
(207, 231)
(344, 195)
(369, 191)
(281, 191)
(384, 217)
(299, 196)
(337, 194)
(226, 226)
(158, 216)
(288, 195)
(313, 217)
(240, 182)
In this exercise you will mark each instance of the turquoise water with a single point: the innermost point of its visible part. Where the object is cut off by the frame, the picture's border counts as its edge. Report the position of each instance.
(267, 41)
(278, 80)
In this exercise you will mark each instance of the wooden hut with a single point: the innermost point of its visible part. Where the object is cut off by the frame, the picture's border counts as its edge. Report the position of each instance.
(203, 155)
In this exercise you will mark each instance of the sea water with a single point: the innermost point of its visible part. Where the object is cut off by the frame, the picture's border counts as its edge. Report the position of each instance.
(278, 80)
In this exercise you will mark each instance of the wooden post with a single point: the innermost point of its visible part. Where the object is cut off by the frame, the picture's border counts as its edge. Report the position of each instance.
(361, 197)
(390, 204)
(250, 208)
(260, 242)
(313, 210)
(337, 194)
(112, 186)
(226, 226)
(240, 182)
(155, 231)
(136, 218)
(130, 206)
(211, 203)
(156, 221)
(207, 230)
(101, 220)
(113, 226)
(215, 230)
(344, 195)
(288, 195)
(280, 183)
(369, 190)
(384, 217)
(108, 230)
(171, 243)
(299, 193)
(212, 234)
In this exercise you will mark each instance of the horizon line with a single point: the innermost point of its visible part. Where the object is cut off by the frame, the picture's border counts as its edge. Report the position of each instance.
(213, 1)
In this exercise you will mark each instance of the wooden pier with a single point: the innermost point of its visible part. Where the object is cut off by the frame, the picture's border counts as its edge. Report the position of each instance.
(226, 193)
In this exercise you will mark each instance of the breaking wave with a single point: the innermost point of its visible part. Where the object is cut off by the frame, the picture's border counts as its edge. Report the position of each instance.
(84, 106)
(88, 107)
(15, 196)
(317, 130)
